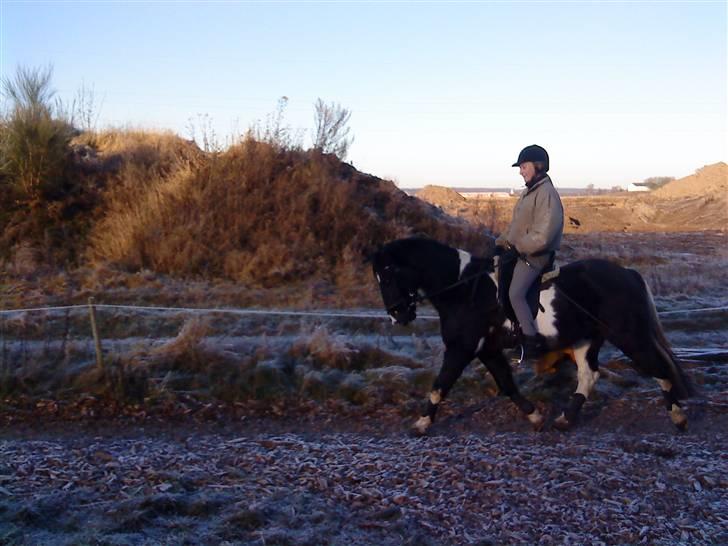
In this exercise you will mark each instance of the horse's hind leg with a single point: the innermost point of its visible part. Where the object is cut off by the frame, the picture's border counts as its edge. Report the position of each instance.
(500, 369)
(586, 356)
(453, 364)
(677, 415)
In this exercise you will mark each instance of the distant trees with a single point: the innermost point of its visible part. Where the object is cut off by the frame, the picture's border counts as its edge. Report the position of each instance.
(331, 130)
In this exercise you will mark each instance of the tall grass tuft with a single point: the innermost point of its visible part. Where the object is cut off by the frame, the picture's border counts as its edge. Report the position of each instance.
(34, 138)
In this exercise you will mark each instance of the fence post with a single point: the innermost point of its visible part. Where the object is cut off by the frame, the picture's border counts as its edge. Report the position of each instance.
(95, 331)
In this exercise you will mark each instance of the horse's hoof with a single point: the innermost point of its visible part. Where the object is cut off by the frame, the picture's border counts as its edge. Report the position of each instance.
(679, 419)
(562, 423)
(421, 427)
(536, 419)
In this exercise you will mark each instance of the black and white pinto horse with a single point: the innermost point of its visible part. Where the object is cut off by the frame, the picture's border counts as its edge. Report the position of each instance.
(590, 301)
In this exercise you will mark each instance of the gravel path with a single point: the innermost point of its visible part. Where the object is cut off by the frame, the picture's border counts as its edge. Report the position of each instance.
(187, 487)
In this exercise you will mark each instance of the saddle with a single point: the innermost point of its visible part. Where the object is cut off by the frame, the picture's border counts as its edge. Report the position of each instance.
(505, 274)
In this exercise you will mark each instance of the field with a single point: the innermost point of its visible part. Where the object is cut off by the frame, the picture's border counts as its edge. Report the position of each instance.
(694, 203)
(267, 429)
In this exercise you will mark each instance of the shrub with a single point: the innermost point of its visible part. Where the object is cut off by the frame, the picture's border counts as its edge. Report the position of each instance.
(331, 129)
(33, 138)
(45, 186)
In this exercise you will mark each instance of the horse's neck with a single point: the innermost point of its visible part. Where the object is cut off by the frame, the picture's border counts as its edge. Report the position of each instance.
(437, 271)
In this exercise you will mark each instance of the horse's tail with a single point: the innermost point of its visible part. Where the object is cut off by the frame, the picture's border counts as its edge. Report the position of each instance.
(682, 385)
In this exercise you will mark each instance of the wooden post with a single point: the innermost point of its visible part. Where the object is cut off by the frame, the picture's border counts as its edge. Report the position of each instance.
(95, 331)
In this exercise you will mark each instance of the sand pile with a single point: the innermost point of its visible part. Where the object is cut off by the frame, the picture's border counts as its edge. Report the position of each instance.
(440, 195)
(711, 179)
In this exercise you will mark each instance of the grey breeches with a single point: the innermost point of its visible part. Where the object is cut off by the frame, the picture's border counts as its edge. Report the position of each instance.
(523, 278)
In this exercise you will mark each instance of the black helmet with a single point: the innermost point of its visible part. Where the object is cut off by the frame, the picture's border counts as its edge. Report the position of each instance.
(533, 153)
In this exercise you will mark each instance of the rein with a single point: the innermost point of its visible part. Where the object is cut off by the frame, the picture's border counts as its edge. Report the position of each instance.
(419, 298)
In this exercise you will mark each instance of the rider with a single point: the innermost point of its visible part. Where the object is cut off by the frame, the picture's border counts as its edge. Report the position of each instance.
(535, 234)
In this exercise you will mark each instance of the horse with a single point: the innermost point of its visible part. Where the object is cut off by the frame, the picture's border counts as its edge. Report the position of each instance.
(590, 301)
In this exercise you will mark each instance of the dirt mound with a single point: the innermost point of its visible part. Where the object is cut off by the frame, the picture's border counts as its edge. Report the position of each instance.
(707, 181)
(263, 215)
(441, 196)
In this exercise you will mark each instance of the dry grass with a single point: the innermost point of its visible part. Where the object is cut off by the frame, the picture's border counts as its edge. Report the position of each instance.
(261, 215)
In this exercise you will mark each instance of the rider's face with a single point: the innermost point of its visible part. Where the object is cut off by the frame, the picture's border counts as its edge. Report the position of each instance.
(527, 170)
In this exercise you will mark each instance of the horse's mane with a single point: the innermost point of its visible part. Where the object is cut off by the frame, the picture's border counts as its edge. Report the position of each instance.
(401, 249)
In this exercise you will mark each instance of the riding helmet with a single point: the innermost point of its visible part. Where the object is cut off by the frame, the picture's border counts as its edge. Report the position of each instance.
(533, 153)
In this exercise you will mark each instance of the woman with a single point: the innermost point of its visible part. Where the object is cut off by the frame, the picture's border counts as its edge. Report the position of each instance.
(535, 234)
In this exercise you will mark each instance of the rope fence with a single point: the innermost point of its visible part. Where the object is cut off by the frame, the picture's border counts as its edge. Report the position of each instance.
(272, 312)
(91, 307)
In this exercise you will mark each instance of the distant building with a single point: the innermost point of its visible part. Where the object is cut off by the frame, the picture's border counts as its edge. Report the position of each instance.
(634, 187)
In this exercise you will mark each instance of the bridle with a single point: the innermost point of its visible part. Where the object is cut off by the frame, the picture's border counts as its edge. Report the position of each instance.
(415, 298)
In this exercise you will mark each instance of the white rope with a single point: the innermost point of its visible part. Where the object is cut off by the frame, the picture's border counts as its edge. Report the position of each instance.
(269, 312)
(273, 312)
(693, 310)
(32, 309)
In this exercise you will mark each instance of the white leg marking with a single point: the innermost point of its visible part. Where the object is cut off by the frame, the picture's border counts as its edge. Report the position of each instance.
(678, 417)
(535, 417)
(546, 321)
(586, 377)
(464, 259)
(422, 424)
(561, 421)
(481, 342)
(394, 320)
(435, 397)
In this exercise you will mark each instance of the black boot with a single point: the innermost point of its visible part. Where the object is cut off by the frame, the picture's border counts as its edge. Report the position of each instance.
(533, 347)
(512, 337)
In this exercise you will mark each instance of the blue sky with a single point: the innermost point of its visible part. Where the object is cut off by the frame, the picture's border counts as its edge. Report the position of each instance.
(440, 93)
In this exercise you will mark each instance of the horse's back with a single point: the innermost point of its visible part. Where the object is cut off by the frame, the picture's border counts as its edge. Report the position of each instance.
(598, 282)
(599, 269)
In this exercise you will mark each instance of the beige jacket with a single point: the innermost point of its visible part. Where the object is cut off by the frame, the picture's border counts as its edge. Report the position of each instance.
(538, 220)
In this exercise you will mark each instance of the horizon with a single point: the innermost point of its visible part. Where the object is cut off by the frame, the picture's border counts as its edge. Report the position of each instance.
(617, 92)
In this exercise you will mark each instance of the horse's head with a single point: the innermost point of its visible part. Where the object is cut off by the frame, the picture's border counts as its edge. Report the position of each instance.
(398, 285)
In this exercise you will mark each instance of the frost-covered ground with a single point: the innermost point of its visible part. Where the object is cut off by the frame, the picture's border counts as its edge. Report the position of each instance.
(241, 485)
(219, 428)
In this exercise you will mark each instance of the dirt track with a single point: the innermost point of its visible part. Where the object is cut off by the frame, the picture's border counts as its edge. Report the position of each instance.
(198, 483)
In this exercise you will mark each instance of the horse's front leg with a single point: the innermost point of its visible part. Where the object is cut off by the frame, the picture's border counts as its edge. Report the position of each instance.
(453, 364)
(499, 367)
(586, 356)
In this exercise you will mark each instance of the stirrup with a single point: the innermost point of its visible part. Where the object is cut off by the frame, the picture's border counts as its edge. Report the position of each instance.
(517, 361)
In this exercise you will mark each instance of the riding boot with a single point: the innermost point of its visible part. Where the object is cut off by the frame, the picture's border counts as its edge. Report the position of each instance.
(533, 347)
(511, 337)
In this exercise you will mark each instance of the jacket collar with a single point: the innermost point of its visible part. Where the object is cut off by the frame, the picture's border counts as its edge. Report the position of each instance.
(539, 183)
